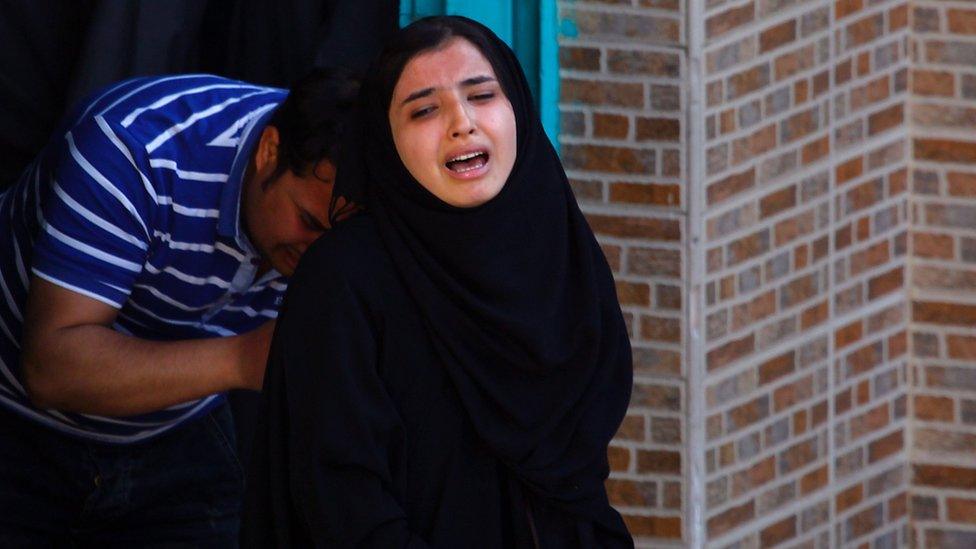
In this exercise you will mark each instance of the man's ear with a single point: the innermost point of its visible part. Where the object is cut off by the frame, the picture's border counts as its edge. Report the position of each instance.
(266, 155)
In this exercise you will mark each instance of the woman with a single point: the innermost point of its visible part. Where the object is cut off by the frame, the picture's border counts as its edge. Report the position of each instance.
(450, 366)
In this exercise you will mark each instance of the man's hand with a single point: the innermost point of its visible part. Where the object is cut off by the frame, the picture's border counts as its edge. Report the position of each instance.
(72, 360)
(254, 347)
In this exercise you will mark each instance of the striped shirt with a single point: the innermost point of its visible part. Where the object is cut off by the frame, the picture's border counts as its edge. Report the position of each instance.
(135, 202)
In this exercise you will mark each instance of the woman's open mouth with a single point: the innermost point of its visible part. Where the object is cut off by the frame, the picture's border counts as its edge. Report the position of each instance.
(468, 164)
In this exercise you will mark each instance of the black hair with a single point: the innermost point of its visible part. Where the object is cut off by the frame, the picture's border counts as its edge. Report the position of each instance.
(431, 33)
(311, 119)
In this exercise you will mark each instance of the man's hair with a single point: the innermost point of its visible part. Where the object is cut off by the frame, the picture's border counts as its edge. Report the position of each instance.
(311, 119)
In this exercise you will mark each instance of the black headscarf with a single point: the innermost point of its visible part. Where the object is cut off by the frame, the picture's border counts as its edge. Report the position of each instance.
(516, 294)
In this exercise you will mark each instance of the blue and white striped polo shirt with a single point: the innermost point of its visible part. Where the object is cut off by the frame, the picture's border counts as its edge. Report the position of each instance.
(135, 203)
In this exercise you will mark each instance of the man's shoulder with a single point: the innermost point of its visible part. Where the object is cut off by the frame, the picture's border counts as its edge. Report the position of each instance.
(124, 102)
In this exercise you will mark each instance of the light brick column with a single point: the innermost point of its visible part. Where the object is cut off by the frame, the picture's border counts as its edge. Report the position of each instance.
(804, 304)
(943, 273)
(621, 143)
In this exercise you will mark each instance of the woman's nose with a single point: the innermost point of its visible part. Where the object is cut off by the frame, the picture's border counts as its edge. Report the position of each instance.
(462, 122)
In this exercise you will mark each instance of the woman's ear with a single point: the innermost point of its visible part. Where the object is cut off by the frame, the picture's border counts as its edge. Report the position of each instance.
(266, 155)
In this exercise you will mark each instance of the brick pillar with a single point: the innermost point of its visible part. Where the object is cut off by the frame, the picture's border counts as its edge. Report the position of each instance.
(943, 274)
(621, 142)
(804, 309)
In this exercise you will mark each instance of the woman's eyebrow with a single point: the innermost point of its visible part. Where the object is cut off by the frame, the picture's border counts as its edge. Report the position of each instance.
(467, 82)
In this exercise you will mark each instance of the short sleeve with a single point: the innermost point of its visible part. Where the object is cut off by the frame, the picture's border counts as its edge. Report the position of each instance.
(97, 212)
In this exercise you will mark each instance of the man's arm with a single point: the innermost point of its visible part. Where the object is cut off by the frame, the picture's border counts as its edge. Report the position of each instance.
(74, 361)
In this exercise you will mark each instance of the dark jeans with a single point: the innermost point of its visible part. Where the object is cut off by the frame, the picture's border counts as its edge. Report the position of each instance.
(181, 489)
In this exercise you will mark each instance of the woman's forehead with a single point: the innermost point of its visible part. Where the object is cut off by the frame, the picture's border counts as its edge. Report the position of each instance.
(451, 64)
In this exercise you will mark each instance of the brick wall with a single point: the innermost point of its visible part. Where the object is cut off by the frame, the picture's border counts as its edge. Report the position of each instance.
(943, 273)
(805, 314)
(793, 231)
(621, 141)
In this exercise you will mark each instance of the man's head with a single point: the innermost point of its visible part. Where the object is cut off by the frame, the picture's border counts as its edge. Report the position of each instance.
(288, 183)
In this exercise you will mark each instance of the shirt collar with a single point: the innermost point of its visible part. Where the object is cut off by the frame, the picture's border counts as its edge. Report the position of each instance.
(229, 223)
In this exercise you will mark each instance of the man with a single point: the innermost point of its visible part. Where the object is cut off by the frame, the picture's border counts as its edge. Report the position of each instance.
(143, 256)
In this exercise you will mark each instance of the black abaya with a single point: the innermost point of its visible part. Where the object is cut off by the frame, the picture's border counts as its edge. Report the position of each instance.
(440, 375)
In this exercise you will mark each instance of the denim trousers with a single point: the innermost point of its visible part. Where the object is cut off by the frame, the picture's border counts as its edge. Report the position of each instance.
(180, 489)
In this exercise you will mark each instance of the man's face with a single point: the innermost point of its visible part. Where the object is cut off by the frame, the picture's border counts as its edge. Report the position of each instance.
(286, 215)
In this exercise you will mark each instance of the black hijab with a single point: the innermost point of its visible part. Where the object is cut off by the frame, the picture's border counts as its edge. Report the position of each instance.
(516, 294)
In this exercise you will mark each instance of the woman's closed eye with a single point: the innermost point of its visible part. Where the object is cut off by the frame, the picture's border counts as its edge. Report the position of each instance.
(422, 112)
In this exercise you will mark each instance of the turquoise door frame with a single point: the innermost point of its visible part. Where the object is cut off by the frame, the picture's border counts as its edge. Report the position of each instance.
(528, 26)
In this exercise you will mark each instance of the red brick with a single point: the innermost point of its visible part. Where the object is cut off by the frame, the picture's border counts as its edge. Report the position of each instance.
(935, 246)
(778, 35)
(863, 392)
(957, 314)
(842, 72)
(759, 142)
(659, 462)
(632, 428)
(849, 497)
(962, 184)
(579, 58)
(865, 521)
(848, 334)
(747, 81)
(869, 421)
(814, 480)
(654, 526)
(945, 150)
(962, 21)
(934, 408)
(886, 119)
(870, 93)
(731, 186)
(814, 316)
(731, 518)
(619, 94)
(849, 169)
(815, 150)
(961, 510)
(886, 283)
(723, 22)
(608, 159)
(933, 83)
(945, 476)
(748, 414)
(777, 367)
(631, 493)
(613, 126)
(633, 293)
(962, 347)
(799, 422)
(778, 532)
(619, 458)
(801, 90)
(794, 62)
(635, 227)
(646, 193)
(655, 328)
(843, 8)
(865, 30)
(897, 507)
(886, 446)
(754, 477)
(898, 18)
(658, 129)
(777, 201)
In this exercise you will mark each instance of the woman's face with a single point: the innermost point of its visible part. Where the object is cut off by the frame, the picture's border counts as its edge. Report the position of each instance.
(452, 125)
